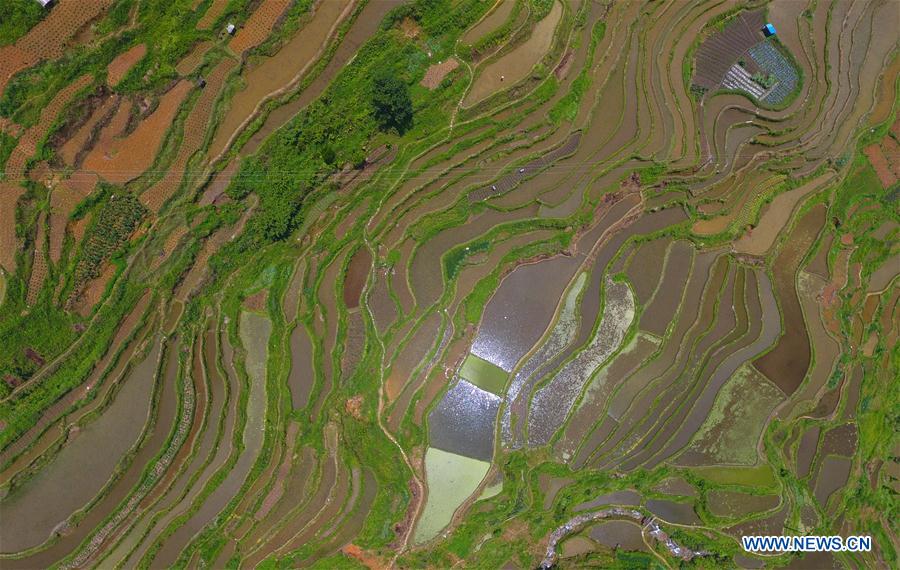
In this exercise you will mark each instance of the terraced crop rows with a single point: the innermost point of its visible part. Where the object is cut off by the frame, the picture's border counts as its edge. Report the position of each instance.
(593, 307)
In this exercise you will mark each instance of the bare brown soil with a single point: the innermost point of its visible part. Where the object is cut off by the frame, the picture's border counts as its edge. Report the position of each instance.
(758, 240)
(125, 159)
(212, 14)
(437, 72)
(195, 126)
(192, 61)
(892, 153)
(257, 301)
(364, 557)
(9, 197)
(39, 262)
(49, 37)
(258, 26)
(880, 164)
(122, 64)
(27, 145)
(70, 150)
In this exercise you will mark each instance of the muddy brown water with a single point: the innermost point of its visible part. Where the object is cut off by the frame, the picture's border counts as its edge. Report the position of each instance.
(735, 504)
(463, 421)
(666, 358)
(493, 20)
(380, 303)
(840, 440)
(690, 422)
(833, 474)
(622, 535)
(678, 513)
(627, 497)
(787, 363)
(660, 311)
(645, 268)
(519, 312)
(254, 332)
(355, 279)
(515, 65)
(365, 25)
(770, 525)
(599, 401)
(32, 512)
(590, 304)
(668, 392)
(318, 496)
(302, 376)
(807, 451)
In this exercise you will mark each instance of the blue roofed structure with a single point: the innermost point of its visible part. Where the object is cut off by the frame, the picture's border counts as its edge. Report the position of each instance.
(768, 30)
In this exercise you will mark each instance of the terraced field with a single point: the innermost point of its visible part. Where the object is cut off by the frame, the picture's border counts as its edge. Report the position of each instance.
(434, 283)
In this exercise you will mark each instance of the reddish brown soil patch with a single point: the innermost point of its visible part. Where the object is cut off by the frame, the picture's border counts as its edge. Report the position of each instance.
(70, 150)
(9, 197)
(93, 293)
(437, 72)
(32, 355)
(27, 145)
(364, 557)
(48, 38)
(353, 407)
(212, 14)
(258, 26)
(122, 64)
(39, 262)
(192, 61)
(127, 158)
(12, 381)
(63, 200)
(257, 301)
(847, 239)
(880, 164)
(892, 152)
(410, 28)
(195, 126)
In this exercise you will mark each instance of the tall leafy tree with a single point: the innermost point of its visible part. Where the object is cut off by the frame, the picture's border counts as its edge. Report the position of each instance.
(391, 103)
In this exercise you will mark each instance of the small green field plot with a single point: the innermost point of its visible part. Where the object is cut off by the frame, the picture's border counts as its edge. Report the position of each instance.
(483, 374)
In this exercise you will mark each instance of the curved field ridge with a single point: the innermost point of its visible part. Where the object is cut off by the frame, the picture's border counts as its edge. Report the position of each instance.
(447, 283)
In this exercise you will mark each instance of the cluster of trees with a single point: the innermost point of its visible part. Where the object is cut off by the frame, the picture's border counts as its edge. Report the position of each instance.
(118, 218)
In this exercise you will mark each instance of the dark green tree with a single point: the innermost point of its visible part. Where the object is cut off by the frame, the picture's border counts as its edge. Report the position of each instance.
(391, 103)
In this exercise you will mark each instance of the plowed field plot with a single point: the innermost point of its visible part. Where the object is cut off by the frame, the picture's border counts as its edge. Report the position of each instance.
(119, 67)
(128, 157)
(446, 283)
(258, 26)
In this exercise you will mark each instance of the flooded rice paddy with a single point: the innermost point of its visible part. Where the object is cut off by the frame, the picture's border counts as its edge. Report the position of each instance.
(582, 285)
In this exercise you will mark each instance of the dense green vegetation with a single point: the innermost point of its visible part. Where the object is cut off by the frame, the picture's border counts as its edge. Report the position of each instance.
(19, 16)
(391, 104)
